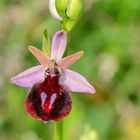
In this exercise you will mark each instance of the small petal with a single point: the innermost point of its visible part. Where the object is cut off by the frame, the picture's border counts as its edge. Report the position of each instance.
(76, 82)
(58, 45)
(29, 77)
(69, 60)
(41, 57)
(53, 10)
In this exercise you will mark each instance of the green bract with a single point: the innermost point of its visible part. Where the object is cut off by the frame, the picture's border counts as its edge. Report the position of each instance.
(46, 43)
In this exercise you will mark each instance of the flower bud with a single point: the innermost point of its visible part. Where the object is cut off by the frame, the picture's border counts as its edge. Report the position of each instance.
(74, 9)
(61, 6)
(67, 11)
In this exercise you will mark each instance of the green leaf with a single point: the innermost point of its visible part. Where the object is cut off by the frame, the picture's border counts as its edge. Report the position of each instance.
(46, 44)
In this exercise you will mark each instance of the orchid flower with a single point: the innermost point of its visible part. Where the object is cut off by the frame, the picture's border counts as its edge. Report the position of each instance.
(51, 83)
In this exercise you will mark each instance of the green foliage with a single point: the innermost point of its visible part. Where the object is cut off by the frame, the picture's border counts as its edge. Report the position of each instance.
(108, 33)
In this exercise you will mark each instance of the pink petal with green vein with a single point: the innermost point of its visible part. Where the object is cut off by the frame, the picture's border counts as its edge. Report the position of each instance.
(69, 60)
(41, 57)
(76, 82)
(58, 45)
(29, 77)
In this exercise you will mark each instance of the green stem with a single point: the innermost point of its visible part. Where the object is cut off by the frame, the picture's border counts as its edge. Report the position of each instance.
(58, 130)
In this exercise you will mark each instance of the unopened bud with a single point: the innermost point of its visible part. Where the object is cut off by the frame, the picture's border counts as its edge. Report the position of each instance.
(74, 10)
(67, 11)
(61, 6)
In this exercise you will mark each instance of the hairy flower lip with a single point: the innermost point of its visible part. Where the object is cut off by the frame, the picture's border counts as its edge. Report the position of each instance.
(72, 80)
(48, 100)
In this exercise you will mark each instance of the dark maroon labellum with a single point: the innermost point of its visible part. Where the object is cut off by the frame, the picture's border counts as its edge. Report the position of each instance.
(48, 100)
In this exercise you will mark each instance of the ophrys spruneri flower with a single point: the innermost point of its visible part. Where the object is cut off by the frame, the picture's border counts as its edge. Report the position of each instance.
(51, 83)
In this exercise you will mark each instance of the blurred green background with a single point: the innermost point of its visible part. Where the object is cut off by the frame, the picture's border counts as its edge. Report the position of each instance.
(109, 34)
